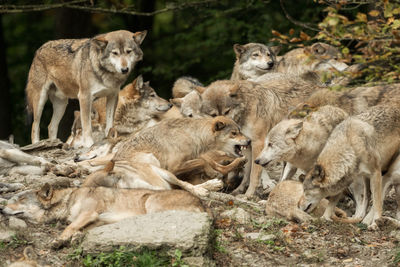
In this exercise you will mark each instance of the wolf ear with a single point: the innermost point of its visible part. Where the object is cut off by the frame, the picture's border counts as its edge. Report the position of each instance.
(239, 50)
(139, 84)
(318, 49)
(275, 49)
(200, 89)
(100, 41)
(139, 36)
(233, 91)
(218, 125)
(294, 130)
(46, 192)
(318, 175)
(176, 101)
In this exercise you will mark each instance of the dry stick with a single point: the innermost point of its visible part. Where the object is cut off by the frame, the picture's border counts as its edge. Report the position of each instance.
(299, 23)
(226, 198)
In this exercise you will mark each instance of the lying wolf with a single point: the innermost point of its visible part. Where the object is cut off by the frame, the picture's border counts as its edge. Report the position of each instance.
(360, 147)
(138, 107)
(256, 109)
(253, 60)
(94, 205)
(284, 201)
(83, 69)
(185, 85)
(162, 149)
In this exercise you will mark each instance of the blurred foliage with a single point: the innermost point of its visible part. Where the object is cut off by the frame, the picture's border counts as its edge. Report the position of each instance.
(367, 32)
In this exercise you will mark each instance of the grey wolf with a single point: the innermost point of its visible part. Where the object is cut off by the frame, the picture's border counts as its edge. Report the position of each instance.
(253, 60)
(155, 154)
(256, 108)
(319, 58)
(81, 68)
(94, 205)
(284, 201)
(185, 85)
(360, 147)
(299, 141)
(138, 107)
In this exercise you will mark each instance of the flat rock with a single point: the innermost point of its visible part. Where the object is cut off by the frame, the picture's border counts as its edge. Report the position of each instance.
(170, 230)
(6, 235)
(15, 223)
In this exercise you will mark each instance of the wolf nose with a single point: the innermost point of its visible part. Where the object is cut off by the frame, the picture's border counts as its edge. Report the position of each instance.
(248, 142)
(270, 64)
(170, 105)
(257, 161)
(124, 70)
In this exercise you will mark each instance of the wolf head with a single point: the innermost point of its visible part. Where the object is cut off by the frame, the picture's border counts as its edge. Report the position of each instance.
(189, 105)
(314, 192)
(228, 136)
(30, 204)
(119, 50)
(255, 59)
(280, 142)
(147, 100)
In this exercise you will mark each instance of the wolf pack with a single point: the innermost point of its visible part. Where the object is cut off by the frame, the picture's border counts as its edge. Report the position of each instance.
(145, 154)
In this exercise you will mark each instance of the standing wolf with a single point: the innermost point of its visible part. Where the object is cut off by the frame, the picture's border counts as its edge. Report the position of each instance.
(256, 109)
(81, 68)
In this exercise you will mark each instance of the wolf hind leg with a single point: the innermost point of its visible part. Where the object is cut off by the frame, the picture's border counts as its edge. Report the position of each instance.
(37, 91)
(59, 106)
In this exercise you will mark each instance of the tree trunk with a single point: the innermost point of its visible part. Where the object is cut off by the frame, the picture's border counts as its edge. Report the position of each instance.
(5, 98)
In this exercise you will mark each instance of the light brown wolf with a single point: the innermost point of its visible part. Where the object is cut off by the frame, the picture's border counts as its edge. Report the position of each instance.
(152, 157)
(253, 60)
(353, 101)
(284, 201)
(94, 205)
(185, 85)
(83, 69)
(138, 107)
(189, 105)
(360, 147)
(319, 58)
(256, 109)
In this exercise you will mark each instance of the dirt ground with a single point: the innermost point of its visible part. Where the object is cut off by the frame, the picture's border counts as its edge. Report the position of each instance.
(257, 241)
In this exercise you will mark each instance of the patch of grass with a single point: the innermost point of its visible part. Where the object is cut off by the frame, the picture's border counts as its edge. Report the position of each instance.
(275, 222)
(17, 241)
(177, 261)
(396, 259)
(362, 226)
(122, 257)
(218, 244)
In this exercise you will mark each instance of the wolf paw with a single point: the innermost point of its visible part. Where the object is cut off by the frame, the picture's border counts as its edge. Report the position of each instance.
(212, 185)
(199, 191)
(58, 243)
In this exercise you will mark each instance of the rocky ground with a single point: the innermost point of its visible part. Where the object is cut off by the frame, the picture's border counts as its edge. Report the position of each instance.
(241, 234)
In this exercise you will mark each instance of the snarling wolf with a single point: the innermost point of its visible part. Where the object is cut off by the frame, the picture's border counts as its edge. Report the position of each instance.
(256, 108)
(81, 68)
(360, 147)
(94, 205)
(253, 60)
(155, 154)
(138, 107)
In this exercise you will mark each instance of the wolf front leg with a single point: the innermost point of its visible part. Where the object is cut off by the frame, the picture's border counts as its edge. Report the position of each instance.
(85, 105)
(377, 200)
(112, 101)
(256, 148)
(81, 221)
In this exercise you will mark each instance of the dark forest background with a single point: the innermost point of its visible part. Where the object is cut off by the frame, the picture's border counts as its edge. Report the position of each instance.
(192, 38)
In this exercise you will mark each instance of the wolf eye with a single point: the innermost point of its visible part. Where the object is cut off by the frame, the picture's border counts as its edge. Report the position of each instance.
(153, 95)
(226, 111)
(255, 54)
(128, 51)
(234, 133)
(269, 144)
(268, 54)
(115, 53)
